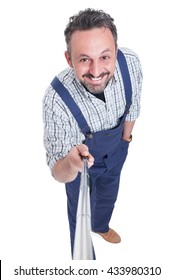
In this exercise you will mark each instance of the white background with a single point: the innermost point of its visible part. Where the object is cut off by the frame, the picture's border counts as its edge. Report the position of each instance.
(33, 220)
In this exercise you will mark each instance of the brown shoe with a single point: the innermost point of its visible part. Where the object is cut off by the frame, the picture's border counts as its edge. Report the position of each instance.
(110, 236)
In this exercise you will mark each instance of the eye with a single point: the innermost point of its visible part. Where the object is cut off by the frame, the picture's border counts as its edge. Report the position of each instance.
(84, 59)
(105, 57)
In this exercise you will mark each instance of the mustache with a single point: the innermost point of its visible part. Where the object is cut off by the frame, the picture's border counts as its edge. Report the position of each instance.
(100, 76)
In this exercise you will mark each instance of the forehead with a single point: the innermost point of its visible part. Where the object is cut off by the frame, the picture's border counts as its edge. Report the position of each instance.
(93, 39)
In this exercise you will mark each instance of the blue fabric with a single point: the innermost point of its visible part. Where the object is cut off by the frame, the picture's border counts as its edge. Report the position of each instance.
(126, 76)
(68, 100)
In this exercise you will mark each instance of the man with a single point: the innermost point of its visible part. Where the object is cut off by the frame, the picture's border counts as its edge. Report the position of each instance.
(90, 111)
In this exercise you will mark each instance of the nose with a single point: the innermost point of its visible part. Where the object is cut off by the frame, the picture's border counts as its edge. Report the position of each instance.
(95, 68)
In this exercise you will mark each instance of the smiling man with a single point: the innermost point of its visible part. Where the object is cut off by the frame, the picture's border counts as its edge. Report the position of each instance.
(90, 110)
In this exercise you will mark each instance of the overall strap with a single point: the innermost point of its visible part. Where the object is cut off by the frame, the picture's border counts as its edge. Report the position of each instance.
(72, 106)
(126, 78)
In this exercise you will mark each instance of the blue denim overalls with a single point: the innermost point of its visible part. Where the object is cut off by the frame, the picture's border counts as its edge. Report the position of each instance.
(109, 152)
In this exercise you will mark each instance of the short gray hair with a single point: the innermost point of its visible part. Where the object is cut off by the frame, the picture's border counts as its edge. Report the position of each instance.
(87, 20)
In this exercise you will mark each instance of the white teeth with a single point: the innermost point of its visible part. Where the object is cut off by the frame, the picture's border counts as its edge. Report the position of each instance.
(96, 79)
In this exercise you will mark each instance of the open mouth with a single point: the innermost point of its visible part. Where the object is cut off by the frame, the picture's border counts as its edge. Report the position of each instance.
(95, 79)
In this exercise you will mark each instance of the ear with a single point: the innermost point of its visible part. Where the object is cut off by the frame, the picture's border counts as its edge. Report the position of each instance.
(68, 59)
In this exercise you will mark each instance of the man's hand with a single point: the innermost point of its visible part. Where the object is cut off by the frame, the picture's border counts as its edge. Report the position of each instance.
(66, 169)
(75, 157)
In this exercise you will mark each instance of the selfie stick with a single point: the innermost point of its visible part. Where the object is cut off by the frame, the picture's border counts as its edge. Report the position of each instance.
(83, 248)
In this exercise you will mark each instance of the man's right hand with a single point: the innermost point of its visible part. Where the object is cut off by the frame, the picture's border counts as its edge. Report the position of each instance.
(67, 168)
(75, 157)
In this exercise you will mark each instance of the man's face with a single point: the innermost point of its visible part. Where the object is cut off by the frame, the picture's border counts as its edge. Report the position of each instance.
(93, 56)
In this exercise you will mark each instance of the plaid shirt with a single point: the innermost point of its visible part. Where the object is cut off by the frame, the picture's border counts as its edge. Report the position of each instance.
(61, 131)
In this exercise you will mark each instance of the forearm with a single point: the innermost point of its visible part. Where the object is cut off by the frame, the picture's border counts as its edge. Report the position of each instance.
(63, 172)
(128, 127)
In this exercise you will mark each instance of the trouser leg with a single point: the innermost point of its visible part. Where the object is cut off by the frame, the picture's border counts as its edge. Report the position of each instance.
(103, 197)
(104, 194)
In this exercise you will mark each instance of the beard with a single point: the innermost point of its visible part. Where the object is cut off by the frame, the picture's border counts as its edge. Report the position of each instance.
(95, 89)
